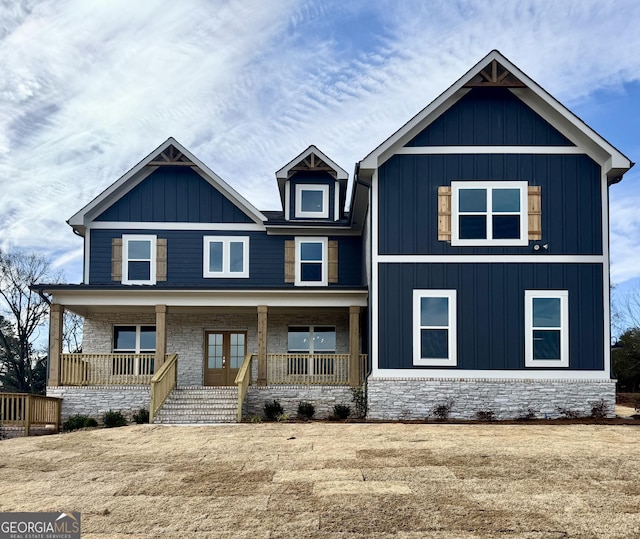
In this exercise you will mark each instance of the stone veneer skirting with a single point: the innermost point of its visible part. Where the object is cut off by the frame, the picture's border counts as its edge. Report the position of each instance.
(324, 398)
(415, 398)
(94, 401)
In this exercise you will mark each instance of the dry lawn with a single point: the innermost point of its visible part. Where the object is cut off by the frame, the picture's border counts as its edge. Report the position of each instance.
(334, 481)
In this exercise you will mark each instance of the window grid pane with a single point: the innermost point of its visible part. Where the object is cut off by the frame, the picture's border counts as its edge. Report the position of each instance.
(215, 256)
(236, 257)
(311, 201)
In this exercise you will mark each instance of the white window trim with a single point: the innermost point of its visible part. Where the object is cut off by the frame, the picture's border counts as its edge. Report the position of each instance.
(452, 360)
(563, 295)
(126, 238)
(226, 272)
(300, 188)
(456, 186)
(138, 333)
(325, 249)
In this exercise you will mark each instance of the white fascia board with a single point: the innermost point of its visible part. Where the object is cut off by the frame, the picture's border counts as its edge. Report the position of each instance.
(140, 297)
(134, 176)
(462, 375)
(134, 225)
(571, 127)
(283, 173)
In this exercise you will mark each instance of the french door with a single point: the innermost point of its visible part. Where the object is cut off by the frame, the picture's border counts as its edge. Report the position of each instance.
(224, 354)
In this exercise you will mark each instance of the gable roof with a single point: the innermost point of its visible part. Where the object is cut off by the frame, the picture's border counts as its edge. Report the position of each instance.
(170, 152)
(496, 70)
(311, 159)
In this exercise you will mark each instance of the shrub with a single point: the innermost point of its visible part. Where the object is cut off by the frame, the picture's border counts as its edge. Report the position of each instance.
(255, 419)
(284, 417)
(272, 410)
(306, 410)
(114, 419)
(141, 416)
(599, 409)
(78, 421)
(527, 414)
(359, 398)
(341, 411)
(442, 411)
(485, 415)
(567, 413)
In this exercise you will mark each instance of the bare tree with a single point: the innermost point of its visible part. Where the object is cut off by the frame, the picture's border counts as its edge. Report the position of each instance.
(72, 333)
(625, 309)
(25, 311)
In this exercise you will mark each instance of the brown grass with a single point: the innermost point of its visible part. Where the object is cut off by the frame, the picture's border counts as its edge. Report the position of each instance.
(333, 481)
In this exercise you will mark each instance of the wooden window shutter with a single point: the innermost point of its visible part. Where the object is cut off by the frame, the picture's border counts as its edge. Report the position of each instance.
(535, 212)
(289, 261)
(444, 213)
(116, 259)
(161, 259)
(333, 261)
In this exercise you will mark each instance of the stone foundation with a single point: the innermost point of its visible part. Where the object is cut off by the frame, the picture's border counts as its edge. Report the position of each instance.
(415, 398)
(324, 398)
(95, 401)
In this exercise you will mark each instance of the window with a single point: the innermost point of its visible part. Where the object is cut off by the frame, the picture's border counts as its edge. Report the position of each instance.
(312, 201)
(132, 340)
(312, 340)
(489, 213)
(547, 328)
(226, 256)
(139, 259)
(311, 262)
(434, 328)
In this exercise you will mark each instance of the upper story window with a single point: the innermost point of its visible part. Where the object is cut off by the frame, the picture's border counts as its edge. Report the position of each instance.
(311, 262)
(434, 328)
(546, 328)
(312, 201)
(226, 256)
(138, 259)
(489, 213)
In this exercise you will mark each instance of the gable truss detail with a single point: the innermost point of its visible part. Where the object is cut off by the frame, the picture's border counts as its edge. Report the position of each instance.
(495, 74)
(171, 156)
(312, 163)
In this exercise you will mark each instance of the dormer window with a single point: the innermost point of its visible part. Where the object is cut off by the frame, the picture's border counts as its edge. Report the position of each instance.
(312, 201)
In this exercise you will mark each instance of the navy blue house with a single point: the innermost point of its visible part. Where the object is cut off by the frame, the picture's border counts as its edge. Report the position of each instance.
(471, 270)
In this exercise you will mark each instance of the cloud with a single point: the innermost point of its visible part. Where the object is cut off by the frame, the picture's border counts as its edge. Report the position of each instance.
(89, 88)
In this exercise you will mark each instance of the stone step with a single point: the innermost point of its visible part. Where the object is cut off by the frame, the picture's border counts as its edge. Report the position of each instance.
(199, 405)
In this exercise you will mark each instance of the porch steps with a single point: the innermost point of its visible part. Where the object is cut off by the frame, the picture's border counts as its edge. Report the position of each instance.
(199, 405)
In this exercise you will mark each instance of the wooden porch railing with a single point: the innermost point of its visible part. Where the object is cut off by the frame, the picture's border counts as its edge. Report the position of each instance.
(26, 410)
(106, 369)
(311, 369)
(243, 380)
(162, 384)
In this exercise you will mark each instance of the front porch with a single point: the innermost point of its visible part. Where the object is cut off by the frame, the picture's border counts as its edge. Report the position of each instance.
(204, 347)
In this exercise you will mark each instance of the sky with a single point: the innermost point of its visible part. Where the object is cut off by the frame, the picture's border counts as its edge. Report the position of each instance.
(89, 88)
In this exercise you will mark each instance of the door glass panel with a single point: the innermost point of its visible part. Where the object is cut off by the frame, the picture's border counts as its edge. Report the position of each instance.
(298, 339)
(147, 339)
(236, 350)
(124, 338)
(324, 340)
(214, 351)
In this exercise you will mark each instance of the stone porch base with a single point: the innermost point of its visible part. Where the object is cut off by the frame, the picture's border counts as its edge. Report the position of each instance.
(415, 398)
(324, 398)
(94, 401)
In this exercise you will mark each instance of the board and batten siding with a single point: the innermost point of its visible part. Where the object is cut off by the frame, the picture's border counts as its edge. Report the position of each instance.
(185, 258)
(570, 196)
(172, 195)
(490, 311)
(490, 117)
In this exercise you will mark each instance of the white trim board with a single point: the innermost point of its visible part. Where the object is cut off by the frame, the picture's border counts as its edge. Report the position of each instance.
(492, 259)
(462, 375)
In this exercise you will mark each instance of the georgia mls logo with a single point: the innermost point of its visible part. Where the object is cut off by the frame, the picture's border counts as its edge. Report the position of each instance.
(40, 525)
